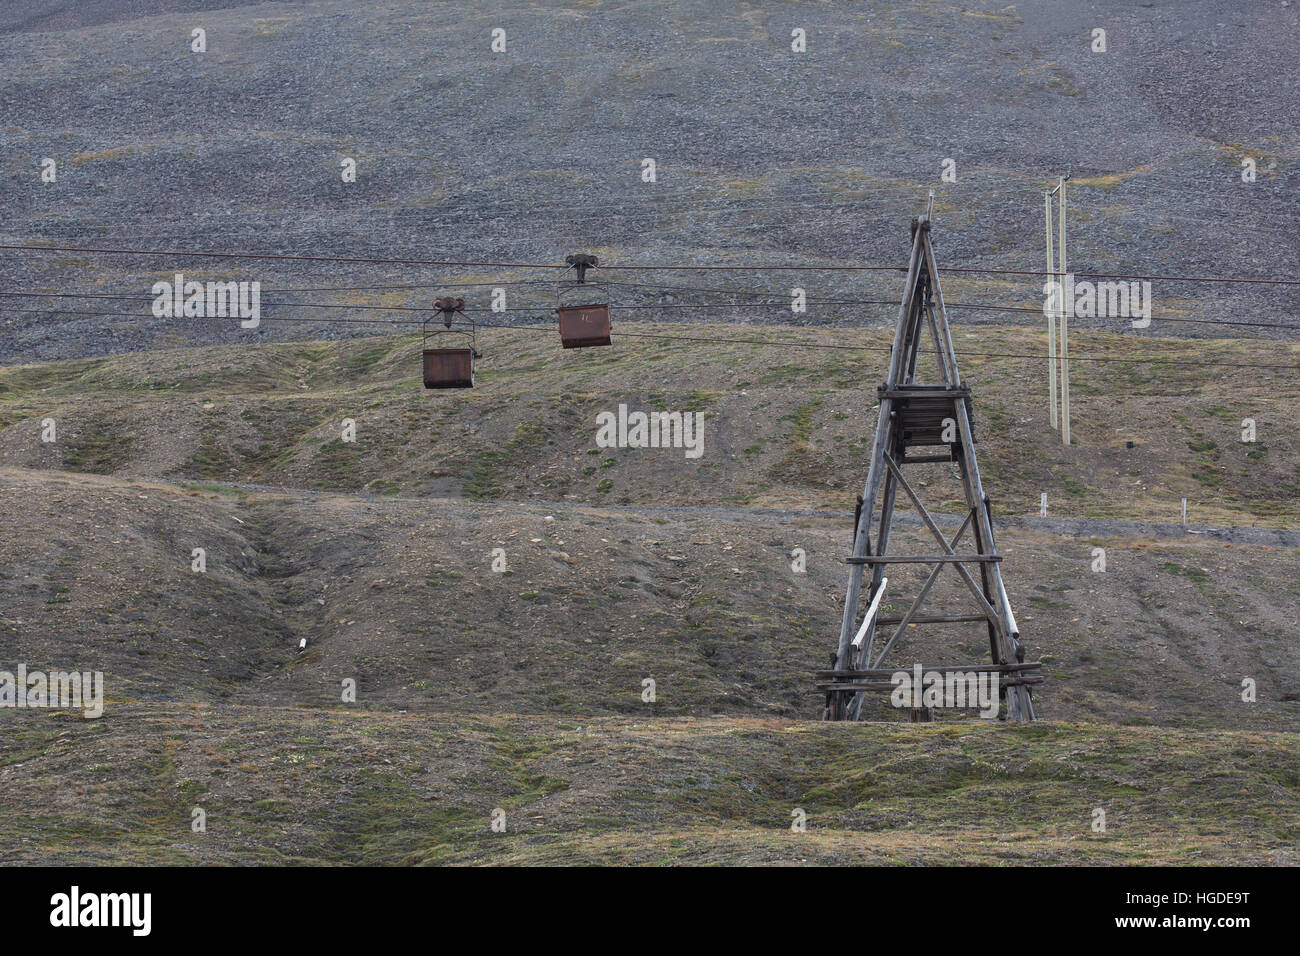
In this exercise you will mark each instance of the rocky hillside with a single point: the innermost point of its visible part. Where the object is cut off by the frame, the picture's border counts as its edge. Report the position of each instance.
(618, 565)
(762, 154)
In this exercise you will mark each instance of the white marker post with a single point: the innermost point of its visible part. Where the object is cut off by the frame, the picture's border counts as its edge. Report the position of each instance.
(871, 613)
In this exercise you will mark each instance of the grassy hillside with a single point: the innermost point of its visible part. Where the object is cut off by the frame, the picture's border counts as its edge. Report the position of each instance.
(520, 688)
(400, 596)
(323, 786)
(784, 426)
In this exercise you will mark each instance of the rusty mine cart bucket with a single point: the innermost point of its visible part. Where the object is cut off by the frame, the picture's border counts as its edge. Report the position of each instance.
(449, 368)
(582, 326)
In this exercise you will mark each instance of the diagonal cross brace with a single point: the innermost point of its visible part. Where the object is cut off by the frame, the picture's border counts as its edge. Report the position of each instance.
(916, 604)
(985, 606)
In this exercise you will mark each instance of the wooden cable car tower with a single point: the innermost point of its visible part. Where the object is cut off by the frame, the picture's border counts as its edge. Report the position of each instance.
(923, 415)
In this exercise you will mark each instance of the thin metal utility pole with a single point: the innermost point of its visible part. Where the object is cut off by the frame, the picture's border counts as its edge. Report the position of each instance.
(1051, 312)
(1065, 323)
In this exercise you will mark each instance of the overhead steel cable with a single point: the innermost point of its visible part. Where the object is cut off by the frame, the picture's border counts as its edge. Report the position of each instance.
(292, 257)
(771, 267)
(703, 306)
(1146, 359)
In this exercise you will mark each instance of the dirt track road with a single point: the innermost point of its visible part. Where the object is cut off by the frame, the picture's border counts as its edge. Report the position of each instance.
(1067, 527)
